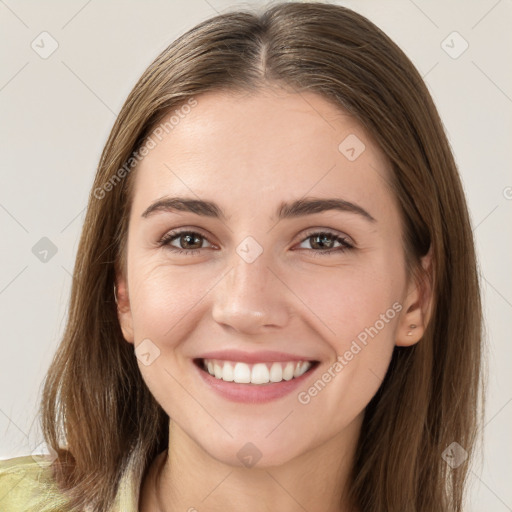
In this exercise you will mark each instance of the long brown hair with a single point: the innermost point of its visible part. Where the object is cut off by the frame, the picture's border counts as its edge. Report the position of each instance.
(96, 409)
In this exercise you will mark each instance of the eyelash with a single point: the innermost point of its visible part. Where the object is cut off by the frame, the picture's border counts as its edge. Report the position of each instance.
(169, 237)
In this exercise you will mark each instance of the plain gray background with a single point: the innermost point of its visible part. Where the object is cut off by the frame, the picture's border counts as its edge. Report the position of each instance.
(57, 112)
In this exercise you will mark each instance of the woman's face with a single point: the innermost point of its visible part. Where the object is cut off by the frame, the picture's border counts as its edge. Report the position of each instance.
(252, 293)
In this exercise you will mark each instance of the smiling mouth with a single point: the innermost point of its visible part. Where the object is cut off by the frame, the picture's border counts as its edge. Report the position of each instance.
(257, 373)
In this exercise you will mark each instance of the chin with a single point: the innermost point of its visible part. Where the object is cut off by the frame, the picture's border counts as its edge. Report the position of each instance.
(255, 451)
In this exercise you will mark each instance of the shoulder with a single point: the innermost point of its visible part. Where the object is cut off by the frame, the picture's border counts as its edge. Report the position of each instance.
(27, 485)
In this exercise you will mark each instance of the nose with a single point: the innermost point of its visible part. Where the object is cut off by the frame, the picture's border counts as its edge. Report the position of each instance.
(251, 298)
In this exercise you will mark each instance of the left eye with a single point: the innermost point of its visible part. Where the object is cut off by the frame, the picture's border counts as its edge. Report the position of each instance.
(191, 241)
(325, 242)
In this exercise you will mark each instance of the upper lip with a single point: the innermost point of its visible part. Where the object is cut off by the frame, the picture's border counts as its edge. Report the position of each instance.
(264, 356)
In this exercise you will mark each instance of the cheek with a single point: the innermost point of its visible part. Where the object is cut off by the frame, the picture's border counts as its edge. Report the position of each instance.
(364, 322)
(359, 307)
(163, 298)
(347, 301)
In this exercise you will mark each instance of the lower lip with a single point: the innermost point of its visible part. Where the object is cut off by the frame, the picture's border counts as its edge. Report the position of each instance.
(252, 393)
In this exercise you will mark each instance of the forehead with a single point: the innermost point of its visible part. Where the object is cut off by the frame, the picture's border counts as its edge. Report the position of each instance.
(248, 149)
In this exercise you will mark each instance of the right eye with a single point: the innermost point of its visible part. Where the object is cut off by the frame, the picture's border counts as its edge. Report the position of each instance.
(186, 238)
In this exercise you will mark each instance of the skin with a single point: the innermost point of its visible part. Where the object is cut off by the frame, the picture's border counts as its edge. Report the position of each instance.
(248, 153)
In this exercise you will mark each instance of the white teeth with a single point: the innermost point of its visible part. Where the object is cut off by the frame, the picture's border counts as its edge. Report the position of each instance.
(217, 369)
(227, 372)
(258, 373)
(301, 369)
(276, 372)
(242, 373)
(288, 371)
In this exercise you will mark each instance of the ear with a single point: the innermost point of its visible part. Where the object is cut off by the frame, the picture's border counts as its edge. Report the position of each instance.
(417, 305)
(124, 312)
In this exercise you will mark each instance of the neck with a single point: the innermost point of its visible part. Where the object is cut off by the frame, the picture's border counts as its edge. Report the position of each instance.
(188, 478)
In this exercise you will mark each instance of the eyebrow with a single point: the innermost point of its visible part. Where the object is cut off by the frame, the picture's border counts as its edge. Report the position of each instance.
(298, 208)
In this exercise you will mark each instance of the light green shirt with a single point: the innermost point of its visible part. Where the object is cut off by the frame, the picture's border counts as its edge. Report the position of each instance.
(26, 485)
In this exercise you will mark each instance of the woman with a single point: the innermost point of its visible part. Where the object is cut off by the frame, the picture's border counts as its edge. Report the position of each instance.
(275, 301)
